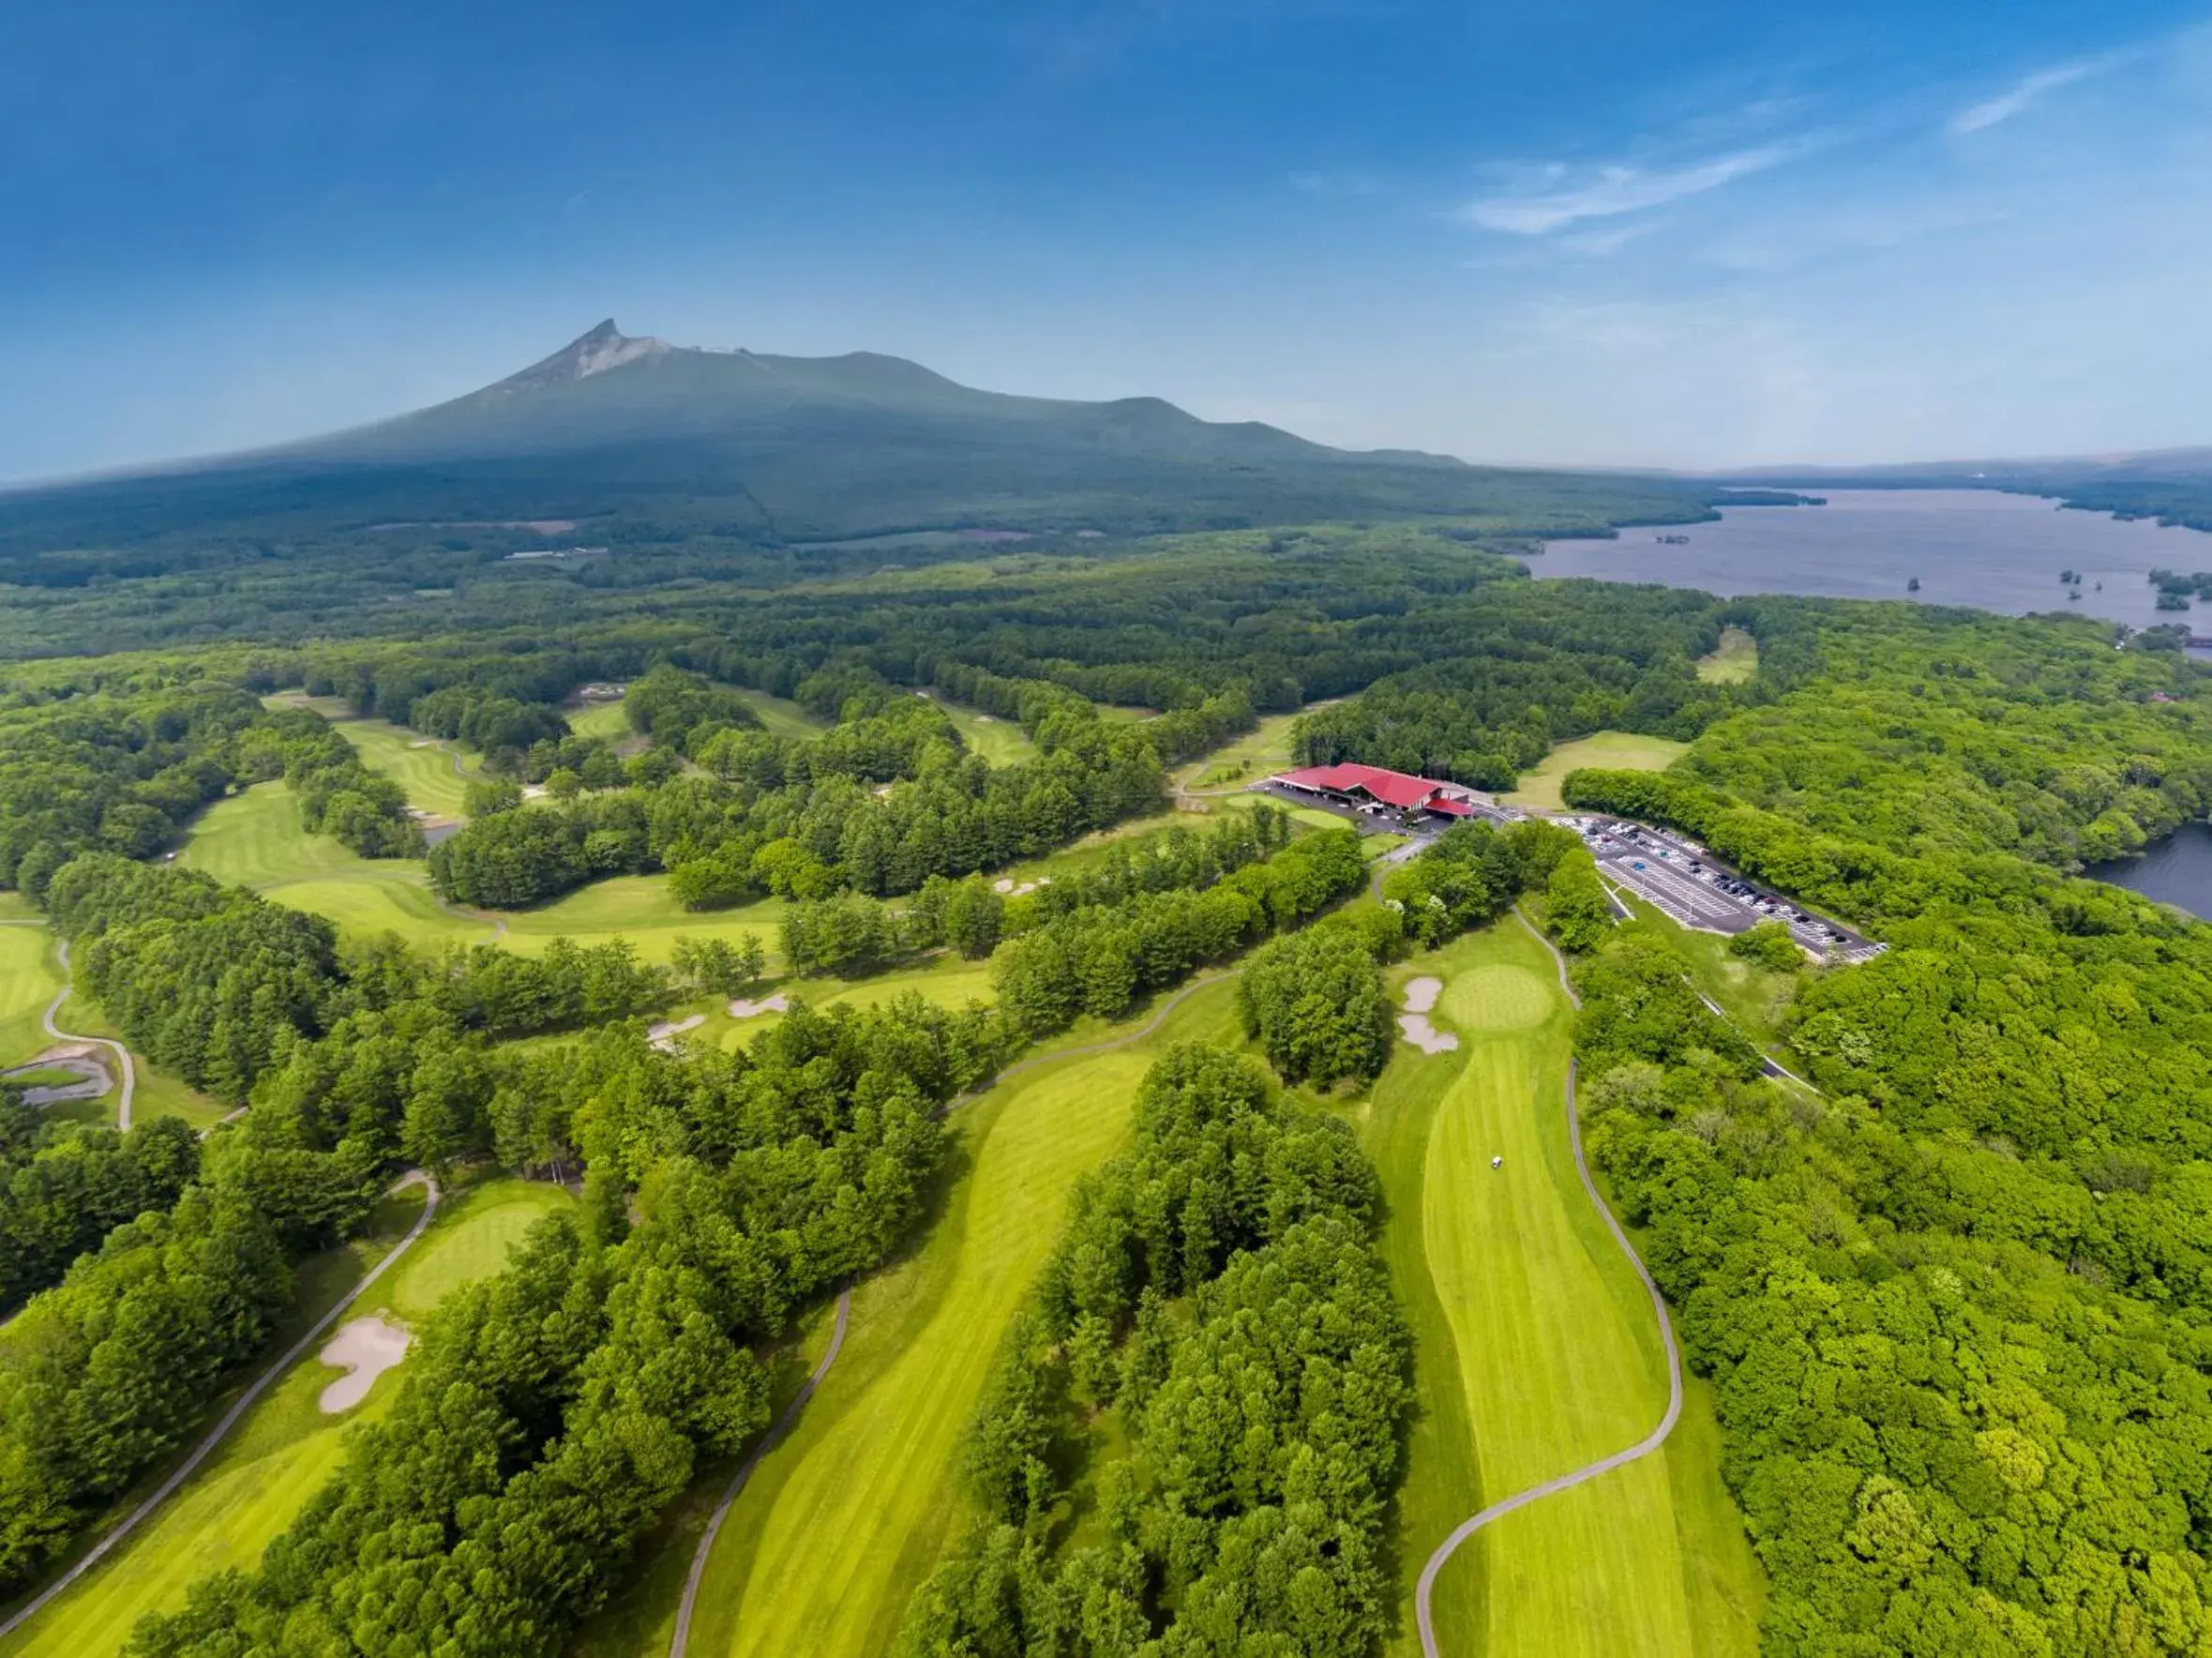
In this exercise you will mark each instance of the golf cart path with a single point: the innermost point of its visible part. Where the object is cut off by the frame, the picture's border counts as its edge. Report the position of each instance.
(122, 1054)
(681, 1639)
(1643, 1447)
(215, 1435)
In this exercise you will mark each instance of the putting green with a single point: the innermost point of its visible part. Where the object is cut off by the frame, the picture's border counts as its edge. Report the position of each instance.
(284, 1450)
(1537, 1352)
(487, 1222)
(1610, 750)
(823, 1549)
(1498, 998)
(29, 976)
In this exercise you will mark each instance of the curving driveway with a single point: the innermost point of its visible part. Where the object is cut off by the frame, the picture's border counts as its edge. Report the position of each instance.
(122, 1054)
(1644, 1447)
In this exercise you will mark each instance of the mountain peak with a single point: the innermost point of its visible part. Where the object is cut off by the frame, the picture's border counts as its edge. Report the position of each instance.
(593, 352)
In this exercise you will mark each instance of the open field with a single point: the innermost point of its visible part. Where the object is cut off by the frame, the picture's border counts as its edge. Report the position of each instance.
(782, 717)
(608, 721)
(1536, 1351)
(1614, 750)
(1736, 661)
(1257, 754)
(638, 908)
(29, 976)
(286, 1447)
(1000, 742)
(426, 767)
(435, 774)
(255, 839)
(838, 1524)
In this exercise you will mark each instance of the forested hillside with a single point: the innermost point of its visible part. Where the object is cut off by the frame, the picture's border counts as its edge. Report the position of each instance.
(1956, 1304)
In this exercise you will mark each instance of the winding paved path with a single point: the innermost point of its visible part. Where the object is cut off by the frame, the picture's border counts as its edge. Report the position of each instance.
(1643, 1447)
(215, 1435)
(681, 1639)
(121, 1053)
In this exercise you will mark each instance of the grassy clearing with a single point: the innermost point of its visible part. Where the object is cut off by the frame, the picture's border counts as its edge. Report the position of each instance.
(477, 1230)
(1000, 742)
(638, 908)
(608, 721)
(839, 1523)
(285, 1448)
(254, 839)
(29, 976)
(1735, 662)
(1614, 750)
(1259, 753)
(435, 774)
(1536, 1351)
(782, 717)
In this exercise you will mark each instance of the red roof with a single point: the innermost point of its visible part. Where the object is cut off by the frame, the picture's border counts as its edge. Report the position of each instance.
(1391, 788)
(1451, 809)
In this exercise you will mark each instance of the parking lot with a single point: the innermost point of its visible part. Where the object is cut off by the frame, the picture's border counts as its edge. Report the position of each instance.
(1671, 873)
(1679, 879)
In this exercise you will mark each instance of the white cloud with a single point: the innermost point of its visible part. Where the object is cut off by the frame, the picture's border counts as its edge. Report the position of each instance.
(1611, 190)
(2025, 91)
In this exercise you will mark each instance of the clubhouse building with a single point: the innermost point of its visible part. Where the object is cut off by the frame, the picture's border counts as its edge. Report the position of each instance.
(1374, 789)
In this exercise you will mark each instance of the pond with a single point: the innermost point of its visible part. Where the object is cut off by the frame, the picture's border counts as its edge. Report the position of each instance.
(2175, 870)
(1964, 547)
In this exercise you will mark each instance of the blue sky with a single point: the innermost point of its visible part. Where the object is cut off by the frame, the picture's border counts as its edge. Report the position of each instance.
(1584, 232)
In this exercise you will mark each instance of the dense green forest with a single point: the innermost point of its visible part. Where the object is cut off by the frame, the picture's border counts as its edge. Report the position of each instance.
(1954, 1304)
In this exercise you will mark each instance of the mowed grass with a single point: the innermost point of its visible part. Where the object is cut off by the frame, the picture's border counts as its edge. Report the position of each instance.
(1612, 750)
(435, 774)
(1735, 660)
(1257, 754)
(285, 1448)
(639, 908)
(29, 976)
(999, 742)
(608, 721)
(1536, 1352)
(254, 839)
(781, 716)
(841, 1521)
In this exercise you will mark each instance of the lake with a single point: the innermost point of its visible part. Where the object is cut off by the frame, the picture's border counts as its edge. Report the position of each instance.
(1968, 547)
(2175, 870)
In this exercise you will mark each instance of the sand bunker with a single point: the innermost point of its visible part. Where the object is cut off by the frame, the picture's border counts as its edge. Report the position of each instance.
(1006, 884)
(778, 1002)
(664, 1035)
(364, 1349)
(1421, 997)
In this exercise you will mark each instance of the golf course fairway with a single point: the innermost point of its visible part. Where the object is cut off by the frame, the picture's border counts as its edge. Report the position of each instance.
(286, 1447)
(28, 980)
(840, 1522)
(1536, 1352)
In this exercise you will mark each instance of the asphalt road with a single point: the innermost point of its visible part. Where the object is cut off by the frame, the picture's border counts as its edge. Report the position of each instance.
(1425, 1589)
(122, 1055)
